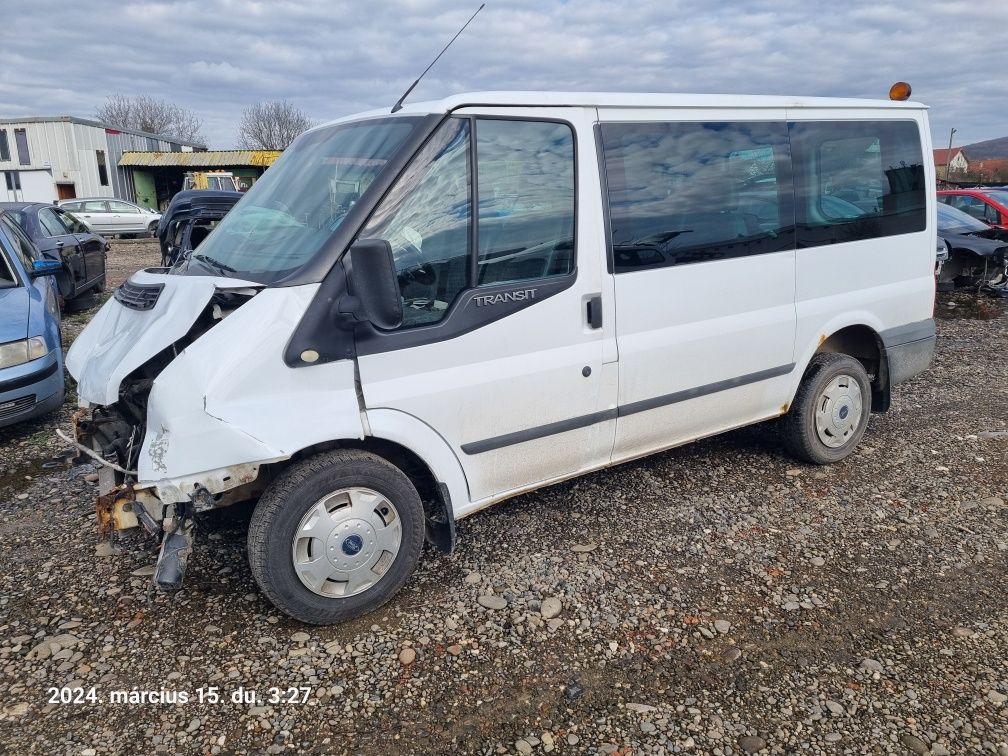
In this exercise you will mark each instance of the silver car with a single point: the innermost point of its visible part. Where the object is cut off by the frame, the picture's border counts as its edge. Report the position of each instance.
(107, 215)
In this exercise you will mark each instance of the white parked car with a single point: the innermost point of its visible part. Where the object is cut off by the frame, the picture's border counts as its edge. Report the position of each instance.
(109, 216)
(411, 317)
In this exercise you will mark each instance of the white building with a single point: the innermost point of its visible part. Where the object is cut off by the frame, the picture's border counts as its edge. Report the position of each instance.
(959, 163)
(45, 159)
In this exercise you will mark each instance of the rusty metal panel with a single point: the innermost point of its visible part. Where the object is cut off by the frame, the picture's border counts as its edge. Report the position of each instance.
(208, 159)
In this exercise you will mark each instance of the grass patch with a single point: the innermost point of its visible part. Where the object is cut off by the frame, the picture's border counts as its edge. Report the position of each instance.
(39, 439)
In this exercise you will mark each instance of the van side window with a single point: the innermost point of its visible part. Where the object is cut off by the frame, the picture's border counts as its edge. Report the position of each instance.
(684, 193)
(857, 180)
(525, 188)
(426, 218)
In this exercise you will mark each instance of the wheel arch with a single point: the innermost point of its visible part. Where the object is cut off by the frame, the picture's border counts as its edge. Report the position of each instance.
(416, 449)
(405, 459)
(862, 340)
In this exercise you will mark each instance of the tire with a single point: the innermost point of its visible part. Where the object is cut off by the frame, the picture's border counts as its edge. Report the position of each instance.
(833, 435)
(293, 502)
(99, 286)
(152, 230)
(81, 301)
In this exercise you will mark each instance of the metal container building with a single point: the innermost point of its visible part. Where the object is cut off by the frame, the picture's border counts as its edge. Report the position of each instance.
(44, 159)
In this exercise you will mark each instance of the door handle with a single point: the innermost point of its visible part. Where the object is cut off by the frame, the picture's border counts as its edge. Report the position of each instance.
(595, 311)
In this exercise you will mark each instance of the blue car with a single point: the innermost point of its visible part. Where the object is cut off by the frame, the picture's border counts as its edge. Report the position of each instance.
(31, 351)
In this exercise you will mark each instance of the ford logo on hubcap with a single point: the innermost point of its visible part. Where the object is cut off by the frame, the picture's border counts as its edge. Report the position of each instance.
(352, 545)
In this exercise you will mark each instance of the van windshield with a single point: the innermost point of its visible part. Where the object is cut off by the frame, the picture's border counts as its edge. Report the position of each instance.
(286, 217)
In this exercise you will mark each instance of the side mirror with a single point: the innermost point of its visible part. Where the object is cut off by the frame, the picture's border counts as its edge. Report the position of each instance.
(374, 284)
(45, 267)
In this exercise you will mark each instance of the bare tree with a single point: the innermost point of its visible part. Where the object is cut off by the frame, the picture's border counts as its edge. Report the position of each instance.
(146, 113)
(272, 125)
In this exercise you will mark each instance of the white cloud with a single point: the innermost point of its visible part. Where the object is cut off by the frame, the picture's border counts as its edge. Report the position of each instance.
(332, 58)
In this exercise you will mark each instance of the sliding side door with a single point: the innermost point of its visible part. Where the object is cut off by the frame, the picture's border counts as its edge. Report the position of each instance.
(703, 254)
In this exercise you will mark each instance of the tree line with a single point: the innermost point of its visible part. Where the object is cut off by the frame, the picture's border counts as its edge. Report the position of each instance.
(269, 125)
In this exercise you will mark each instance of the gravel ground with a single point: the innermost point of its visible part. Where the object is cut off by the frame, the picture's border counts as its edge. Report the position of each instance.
(127, 255)
(717, 598)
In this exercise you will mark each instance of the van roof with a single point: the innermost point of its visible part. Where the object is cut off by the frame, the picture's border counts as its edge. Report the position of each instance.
(648, 100)
(631, 100)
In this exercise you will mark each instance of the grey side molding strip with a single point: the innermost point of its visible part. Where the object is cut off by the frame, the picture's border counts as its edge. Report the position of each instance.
(562, 426)
(710, 388)
(540, 431)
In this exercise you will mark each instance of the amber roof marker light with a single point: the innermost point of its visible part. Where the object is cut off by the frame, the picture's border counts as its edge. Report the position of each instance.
(899, 91)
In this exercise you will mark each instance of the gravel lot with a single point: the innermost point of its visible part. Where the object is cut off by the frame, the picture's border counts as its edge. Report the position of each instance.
(718, 598)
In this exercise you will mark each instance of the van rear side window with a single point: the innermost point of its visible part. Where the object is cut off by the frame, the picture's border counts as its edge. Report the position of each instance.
(857, 180)
(695, 192)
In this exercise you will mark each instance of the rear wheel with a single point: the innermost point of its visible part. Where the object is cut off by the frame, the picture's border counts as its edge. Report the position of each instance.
(830, 412)
(152, 229)
(336, 536)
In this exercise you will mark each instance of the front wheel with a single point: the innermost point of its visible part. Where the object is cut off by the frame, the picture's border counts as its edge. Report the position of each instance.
(830, 412)
(152, 229)
(335, 536)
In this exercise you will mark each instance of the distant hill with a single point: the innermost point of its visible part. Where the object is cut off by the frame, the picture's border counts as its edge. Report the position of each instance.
(991, 149)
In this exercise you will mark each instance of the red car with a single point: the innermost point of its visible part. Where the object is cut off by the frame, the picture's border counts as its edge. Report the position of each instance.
(987, 205)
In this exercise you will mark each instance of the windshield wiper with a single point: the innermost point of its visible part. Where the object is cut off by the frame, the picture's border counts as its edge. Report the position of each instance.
(215, 264)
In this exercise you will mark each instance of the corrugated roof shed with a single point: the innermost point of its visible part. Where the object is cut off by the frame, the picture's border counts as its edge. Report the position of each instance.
(208, 159)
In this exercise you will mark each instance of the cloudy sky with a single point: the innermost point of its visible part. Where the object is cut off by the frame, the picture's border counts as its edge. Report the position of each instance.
(335, 57)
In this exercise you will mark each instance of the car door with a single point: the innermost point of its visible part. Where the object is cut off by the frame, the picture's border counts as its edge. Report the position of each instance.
(702, 238)
(498, 352)
(96, 214)
(58, 242)
(14, 304)
(28, 252)
(127, 218)
(91, 246)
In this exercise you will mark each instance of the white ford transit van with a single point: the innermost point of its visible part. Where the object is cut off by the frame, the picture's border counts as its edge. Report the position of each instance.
(410, 317)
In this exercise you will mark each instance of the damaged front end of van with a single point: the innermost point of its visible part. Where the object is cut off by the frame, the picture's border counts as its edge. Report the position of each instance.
(189, 400)
(178, 395)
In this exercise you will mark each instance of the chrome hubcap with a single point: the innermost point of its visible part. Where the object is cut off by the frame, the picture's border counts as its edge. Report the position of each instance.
(838, 412)
(346, 542)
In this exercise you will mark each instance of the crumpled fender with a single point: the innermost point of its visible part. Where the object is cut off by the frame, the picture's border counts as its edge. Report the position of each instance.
(118, 339)
(230, 400)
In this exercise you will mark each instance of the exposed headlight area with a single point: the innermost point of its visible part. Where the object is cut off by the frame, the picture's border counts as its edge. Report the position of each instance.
(19, 352)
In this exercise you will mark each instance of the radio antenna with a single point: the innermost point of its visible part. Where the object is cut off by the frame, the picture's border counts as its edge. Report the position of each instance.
(398, 106)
